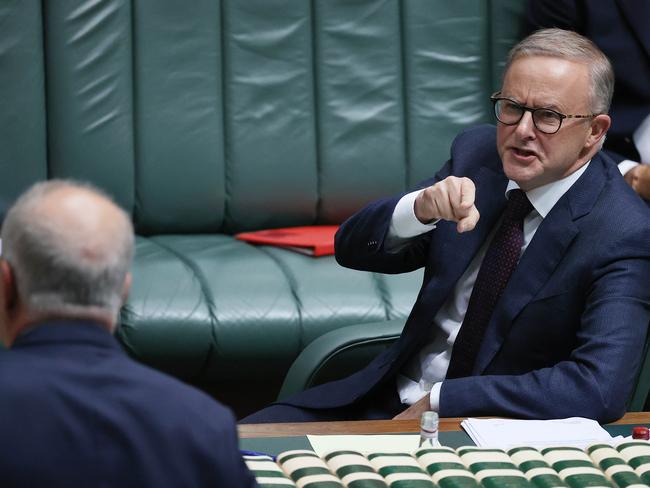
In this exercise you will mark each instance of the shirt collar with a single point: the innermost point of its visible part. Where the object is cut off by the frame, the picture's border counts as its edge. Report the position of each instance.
(66, 332)
(544, 198)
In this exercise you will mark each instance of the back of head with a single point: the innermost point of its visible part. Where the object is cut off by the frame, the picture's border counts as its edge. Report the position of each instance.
(569, 45)
(70, 249)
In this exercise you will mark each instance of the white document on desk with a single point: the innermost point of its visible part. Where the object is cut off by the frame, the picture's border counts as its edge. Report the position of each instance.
(324, 444)
(505, 433)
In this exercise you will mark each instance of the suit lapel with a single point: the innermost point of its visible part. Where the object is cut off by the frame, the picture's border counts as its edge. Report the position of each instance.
(637, 13)
(545, 251)
(543, 254)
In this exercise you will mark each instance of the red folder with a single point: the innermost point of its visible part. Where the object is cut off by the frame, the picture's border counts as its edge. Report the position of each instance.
(315, 240)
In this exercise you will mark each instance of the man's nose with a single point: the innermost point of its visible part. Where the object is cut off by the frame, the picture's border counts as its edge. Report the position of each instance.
(526, 126)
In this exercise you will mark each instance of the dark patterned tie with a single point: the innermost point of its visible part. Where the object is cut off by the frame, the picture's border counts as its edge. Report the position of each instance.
(498, 264)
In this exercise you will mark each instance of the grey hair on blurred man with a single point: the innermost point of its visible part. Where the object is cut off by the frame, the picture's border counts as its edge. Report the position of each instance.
(66, 253)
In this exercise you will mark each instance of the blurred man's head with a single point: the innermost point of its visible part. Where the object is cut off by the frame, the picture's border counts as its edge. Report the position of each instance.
(66, 253)
(552, 107)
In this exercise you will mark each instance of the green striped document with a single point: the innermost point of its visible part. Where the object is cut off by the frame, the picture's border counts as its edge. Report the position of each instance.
(532, 464)
(267, 472)
(575, 467)
(600, 465)
(637, 455)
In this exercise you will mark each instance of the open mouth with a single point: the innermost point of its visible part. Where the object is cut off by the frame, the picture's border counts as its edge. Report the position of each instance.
(523, 153)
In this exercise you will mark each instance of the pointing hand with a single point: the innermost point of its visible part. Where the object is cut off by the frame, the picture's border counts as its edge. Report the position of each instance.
(450, 199)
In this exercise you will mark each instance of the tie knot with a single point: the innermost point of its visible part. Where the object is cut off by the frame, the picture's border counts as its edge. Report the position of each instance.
(518, 205)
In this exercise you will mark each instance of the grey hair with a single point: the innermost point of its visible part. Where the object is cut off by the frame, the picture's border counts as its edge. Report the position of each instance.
(572, 46)
(53, 276)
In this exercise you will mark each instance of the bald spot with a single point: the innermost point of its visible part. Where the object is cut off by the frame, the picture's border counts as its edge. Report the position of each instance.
(82, 222)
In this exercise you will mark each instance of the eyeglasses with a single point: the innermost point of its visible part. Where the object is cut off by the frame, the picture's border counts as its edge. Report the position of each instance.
(509, 112)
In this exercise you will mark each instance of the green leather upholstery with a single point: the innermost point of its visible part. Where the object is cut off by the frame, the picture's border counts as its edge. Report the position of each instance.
(227, 307)
(209, 117)
(23, 139)
(338, 354)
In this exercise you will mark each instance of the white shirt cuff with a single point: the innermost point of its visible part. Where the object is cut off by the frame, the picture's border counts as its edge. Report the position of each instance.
(409, 390)
(404, 224)
(626, 165)
(434, 397)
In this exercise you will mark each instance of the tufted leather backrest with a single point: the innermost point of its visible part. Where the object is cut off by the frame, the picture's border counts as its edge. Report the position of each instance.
(222, 116)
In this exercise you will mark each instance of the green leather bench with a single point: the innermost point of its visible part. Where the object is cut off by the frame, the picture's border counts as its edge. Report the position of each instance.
(206, 118)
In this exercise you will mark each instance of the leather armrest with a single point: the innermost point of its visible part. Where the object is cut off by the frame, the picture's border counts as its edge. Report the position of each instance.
(339, 353)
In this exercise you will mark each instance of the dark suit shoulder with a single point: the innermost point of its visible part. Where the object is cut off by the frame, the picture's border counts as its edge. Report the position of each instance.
(181, 395)
(102, 397)
(622, 195)
(24, 374)
(620, 215)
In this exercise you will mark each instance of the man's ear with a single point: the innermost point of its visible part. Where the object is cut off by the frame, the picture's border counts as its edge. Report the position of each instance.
(126, 287)
(599, 127)
(9, 305)
(8, 282)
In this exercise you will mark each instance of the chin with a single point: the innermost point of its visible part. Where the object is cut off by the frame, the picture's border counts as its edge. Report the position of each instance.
(522, 175)
(513, 170)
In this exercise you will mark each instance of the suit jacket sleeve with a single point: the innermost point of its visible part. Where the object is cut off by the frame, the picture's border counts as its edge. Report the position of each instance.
(359, 242)
(598, 377)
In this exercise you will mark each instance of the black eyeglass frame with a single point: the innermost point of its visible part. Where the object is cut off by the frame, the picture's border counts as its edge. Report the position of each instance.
(495, 98)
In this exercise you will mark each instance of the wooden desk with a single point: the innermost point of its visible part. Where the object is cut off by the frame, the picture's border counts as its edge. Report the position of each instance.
(377, 426)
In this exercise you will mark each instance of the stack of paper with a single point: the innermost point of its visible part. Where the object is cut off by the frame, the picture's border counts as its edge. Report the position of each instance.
(504, 433)
(324, 444)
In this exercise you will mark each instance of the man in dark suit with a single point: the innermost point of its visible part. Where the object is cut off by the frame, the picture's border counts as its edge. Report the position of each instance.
(621, 29)
(74, 409)
(558, 334)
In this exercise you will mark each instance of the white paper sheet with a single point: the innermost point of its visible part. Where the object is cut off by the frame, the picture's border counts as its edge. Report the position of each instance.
(324, 444)
(504, 433)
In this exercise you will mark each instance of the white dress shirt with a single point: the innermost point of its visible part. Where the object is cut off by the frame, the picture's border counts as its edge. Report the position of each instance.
(425, 372)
